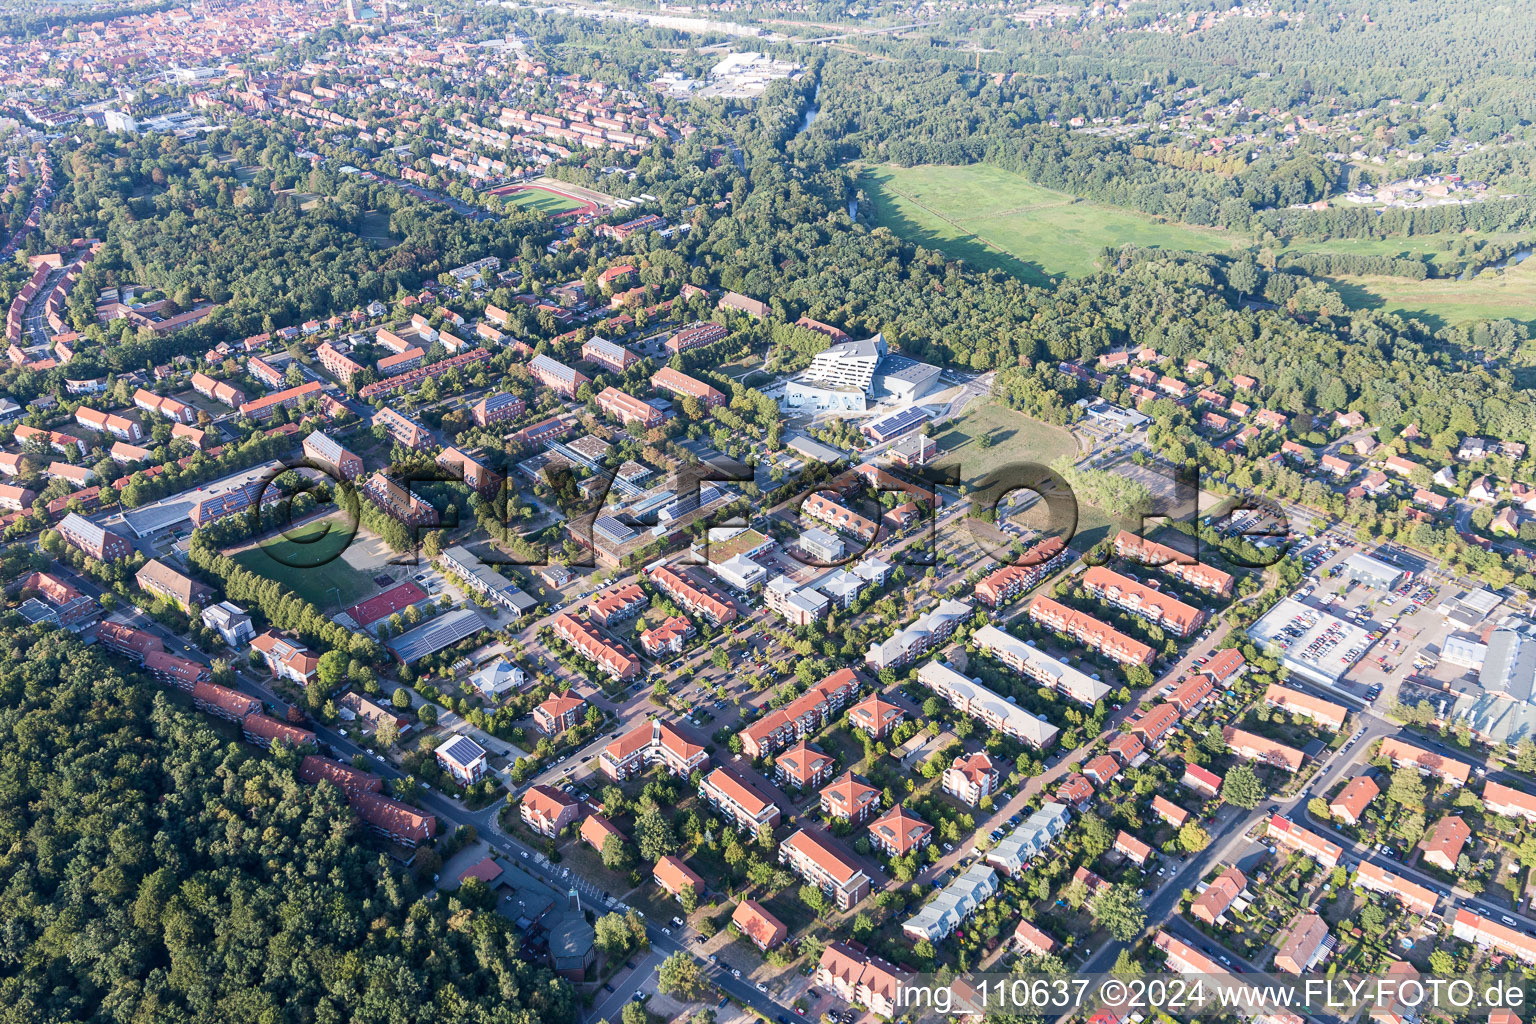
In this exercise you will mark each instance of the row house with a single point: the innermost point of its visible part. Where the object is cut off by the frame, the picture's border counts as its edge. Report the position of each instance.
(694, 597)
(292, 398)
(747, 809)
(1349, 806)
(1143, 601)
(223, 702)
(1261, 749)
(943, 915)
(66, 444)
(400, 362)
(801, 717)
(412, 378)
(618, 603)
(1401, 754)
(1509, 802)
(650, 743)
(1174, 563)
(1288, 835)
(1225, 890)
(1375, 878)
(610, 658)
(217, 390)
(1090, 632)
(1481, 931)
(120, 427)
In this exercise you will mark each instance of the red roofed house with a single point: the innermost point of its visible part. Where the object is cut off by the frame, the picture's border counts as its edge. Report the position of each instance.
(1349, 806)
(1443, 846)
(899, 832)
(1133, 849)
(674, 876)
(970, 778)
(1201, 780)
(1212, 905)
(762, 928)
(548, 811)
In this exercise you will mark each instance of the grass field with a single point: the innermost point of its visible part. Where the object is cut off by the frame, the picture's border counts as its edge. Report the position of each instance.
(1508, 294)
(544, 202)
(996, 219)
(373, 228)
(1015, 438)
(307, 560)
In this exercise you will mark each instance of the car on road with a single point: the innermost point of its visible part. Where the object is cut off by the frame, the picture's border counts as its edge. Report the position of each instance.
(735, 972)
(761, 987)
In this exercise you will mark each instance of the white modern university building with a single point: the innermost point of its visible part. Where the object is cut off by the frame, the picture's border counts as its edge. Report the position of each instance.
(844, 377)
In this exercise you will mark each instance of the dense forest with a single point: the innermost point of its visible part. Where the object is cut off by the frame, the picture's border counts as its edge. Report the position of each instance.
(157, 870)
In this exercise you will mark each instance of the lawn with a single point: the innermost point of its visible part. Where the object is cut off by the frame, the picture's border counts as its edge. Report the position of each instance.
(1015, 438)
(1492, 295)
(545, 202)
(307, 560)
(997, 219)
(373, 228)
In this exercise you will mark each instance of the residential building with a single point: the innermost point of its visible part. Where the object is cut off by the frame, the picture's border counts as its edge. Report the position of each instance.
(1030, 661)
(324, 450)
(1453, 772)
(604, 353)
(398, 502)
(96, 541)
(876, 716)
(1032, 837)
(913, 641)
(1349, 806)
(499, 678)
(823, 509)
(1169, 811)
(472, 468)
(626, 408)
(611, 658)
(1142, 601)
(1203, 781)
(217, 391)
(1089, 631)
(1308, 945)
(292, 398)
(1003, 585)
(1173, 562)
(849, 798)
(120, 427)
(223, 702)
(1288, 835)
(970, 778)
(899, 832)
(1375, 878)
(230, 621)
(971, 698)
(337, 363)
(1030, 939)
(548, 811)
(1226, 889)
(596, 830)
(1444, 846)
(860, 979)
(159, 579)
(942, 915)
(650, 743)
(1155, 725)
(1480, 931)
(287, 659)
(1253, 747)
(497, 408)
(557, 714)
(1132, 849)
(1184, 958)
(739, 800)
(693, 596)
(802, 767)
(674, 876)
(802, 716)
(1509, 802)
(264, 730)
(823, 862)
(683, 386)
(618, 603)
(164, 406)
(761, 928)
(557, 376)
(403, 429)
(464, 759)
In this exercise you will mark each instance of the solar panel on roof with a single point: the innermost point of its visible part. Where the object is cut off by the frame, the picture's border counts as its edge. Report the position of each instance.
(898, 423)
(463, 750)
